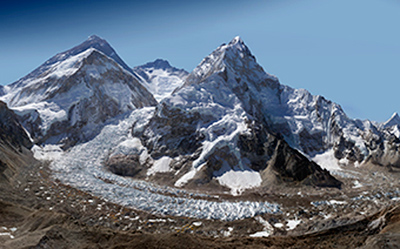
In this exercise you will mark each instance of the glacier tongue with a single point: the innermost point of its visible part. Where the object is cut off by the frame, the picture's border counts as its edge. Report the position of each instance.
(82, 167)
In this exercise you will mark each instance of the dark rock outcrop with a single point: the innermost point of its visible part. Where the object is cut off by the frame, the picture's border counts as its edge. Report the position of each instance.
(11, 131)
(14, 144)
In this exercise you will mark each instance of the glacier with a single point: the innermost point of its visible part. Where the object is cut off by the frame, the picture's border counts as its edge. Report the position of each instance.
(82, 167)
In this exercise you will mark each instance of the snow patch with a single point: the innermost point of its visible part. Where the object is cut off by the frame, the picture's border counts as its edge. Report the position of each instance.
(292, 224)
(335, 202)
(160, 166)
(238, 180)
(327, 160)
(268, 228)
(261, 234)
(357, 184)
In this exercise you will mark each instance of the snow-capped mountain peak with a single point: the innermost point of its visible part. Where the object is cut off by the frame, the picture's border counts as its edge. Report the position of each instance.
(94, 37)
(100, 44)
(238, 44)
(160, 78)
(393, 120)
(93, 42)
(233, 58)
(69, 97)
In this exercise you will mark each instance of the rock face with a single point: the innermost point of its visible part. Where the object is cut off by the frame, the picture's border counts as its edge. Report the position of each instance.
(220, 127)
(70, 97)
(11, 131)
(14, 144)
(160, 78)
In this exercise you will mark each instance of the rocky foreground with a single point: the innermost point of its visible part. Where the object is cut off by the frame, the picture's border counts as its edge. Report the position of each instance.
(37, 212)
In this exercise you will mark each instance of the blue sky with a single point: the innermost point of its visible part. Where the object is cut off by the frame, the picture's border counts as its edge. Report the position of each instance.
(345, 50)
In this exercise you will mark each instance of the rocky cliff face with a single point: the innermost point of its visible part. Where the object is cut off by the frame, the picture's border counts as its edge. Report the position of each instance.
(70, 97)
(11, 131)
(14, 144)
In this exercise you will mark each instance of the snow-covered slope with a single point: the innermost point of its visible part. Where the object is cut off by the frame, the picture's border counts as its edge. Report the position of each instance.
(160, 78)
(68, 98)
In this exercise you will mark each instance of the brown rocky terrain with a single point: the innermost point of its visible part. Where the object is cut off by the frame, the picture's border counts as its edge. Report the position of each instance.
(38, 212)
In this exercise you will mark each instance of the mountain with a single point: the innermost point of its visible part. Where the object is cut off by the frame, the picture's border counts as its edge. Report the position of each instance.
(232, 124)
(14, 144)
(93, 41)
(394, 120)
(160, 78)
(68, 98)
(213, 132)
(311, 124)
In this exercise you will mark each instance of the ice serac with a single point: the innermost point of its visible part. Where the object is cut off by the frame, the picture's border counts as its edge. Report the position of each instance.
(160, 78)
(217, 129)
(69, 98)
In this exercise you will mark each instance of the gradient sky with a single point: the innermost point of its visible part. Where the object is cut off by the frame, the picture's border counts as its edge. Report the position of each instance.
(345, 50)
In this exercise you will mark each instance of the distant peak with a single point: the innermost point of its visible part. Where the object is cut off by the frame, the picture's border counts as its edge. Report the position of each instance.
(161, 63)
(393, 120)
(157, 64)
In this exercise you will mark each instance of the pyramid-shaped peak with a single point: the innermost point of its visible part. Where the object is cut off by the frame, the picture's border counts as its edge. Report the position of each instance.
(95, 41)
(236, 40)
(238, 45)
(393, 120)
(94, 37)
(100, 44)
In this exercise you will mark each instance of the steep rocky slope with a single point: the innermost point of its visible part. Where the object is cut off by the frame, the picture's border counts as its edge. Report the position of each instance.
(14, 144)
